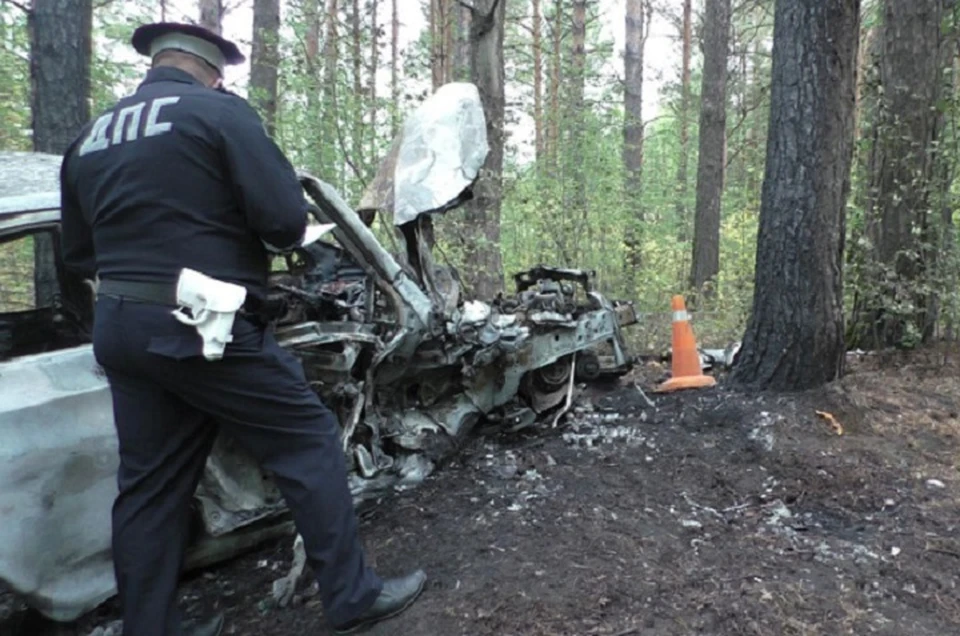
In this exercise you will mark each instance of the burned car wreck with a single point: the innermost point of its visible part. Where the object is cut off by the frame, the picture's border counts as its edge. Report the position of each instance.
(386, 338)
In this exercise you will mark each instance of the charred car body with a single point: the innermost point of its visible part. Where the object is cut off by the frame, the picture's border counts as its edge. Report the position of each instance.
(407, 364)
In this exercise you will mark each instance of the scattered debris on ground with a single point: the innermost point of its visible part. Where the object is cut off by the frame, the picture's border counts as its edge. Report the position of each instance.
(709, 512)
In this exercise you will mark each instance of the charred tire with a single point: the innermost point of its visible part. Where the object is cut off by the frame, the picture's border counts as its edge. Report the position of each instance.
(552, 377)
(588, 366)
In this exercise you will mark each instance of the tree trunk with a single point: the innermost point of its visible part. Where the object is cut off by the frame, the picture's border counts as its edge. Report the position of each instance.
(538, 82)
(794, 339)
(460, 61)
(211, 15)
(902, 188)
(574, 118)
(356, 101)
(331, 56)
(61, 47)
(682, 168)
(713, 128)
(395, 69)
(372, 78)
(313, 16)
(311, 13)
(556, 62)
(264, 60)
(481, 232)
(437, 54)
(633, 132)
(451, 22)
(330, 114)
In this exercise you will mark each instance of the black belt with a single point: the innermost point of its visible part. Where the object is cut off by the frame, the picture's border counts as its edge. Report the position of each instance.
(138, 291)
(166, 294)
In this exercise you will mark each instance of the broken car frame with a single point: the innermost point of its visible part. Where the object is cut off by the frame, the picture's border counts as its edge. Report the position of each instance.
(408, 365)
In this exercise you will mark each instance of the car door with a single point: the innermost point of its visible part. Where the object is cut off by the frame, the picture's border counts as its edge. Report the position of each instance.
(58, 448)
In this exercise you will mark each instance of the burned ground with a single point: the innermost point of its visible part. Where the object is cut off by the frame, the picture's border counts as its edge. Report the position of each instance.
(707, 513)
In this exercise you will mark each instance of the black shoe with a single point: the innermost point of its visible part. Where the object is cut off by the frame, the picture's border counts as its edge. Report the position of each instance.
(397, 595)
(204, 627)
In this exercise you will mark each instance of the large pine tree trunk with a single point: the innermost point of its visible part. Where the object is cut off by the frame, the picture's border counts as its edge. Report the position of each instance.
(713, 125)
(633, 131)
(61, 47)
(481, 231)
(687, 36)
(264, 60)
(902, 179)
(60, 54)
(794, 339)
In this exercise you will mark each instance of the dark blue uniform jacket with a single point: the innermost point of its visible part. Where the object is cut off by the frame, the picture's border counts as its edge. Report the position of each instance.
(178, 175)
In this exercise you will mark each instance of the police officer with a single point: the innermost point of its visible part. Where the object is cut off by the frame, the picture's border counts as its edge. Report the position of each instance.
(182, 174)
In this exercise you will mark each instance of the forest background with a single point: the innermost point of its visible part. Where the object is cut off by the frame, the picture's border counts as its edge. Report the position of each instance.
(629, 137)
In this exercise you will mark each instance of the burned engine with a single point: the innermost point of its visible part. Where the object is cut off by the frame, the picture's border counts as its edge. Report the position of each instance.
(508, 361)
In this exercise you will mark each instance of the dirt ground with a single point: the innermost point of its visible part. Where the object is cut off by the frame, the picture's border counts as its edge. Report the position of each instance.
(711, 512)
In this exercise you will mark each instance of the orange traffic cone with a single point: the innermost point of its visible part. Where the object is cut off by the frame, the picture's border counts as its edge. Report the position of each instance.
(685, 364)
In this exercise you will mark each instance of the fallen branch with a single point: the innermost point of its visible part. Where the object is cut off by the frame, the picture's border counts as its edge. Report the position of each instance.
(569, 400)
(644, 396)
(933, 547)
(693, 504)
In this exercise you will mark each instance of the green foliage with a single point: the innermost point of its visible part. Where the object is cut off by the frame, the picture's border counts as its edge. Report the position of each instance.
(14, 79)
(16, 275)
(912, 296)
(341, 134)
(116, 70)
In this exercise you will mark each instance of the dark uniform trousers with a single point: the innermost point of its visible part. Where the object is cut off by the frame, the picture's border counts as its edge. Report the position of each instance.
(168, 404)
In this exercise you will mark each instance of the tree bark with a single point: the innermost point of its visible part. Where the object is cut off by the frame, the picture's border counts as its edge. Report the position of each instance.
(556, 63)
(537, 46)
(330, 114)
(372, 78)
(794, 339)
(264, 60)
(713, 127)
(633, 131)
(311, 13)
(903, 175)
(211, 15)
(61, 48)
(481, 232)
(331, 56)
(574, 117)
(60, 55)
(438, 62)
(356, 101)
(395, 69)
(460, 60)
(684, 162)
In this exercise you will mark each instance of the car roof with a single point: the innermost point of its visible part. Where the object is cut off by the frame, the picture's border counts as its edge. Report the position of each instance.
(29, 182)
